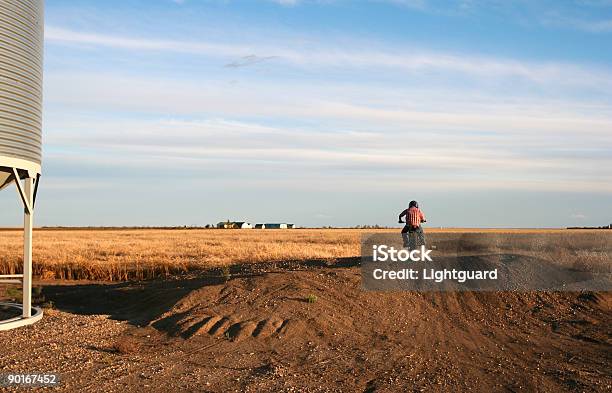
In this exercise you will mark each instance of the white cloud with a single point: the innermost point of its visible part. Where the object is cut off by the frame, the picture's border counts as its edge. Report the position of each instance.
(324, 55)
(594, 26)
(249, 60)
(64, 36)
(354, 107)
(224, 146)
(417, 4)
(333, 133)
(590, 25)
(286, 2)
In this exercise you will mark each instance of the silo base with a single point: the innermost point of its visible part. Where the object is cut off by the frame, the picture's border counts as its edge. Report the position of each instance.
(20, 321)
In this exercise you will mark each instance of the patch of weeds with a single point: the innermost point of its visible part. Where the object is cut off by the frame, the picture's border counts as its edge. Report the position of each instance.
(311, 298)
(37, 295)
(14, 294)
(226, 274)
(48, 305)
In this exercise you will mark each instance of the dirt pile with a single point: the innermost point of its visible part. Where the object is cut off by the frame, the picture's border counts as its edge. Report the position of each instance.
(320, 322)
(310, 327)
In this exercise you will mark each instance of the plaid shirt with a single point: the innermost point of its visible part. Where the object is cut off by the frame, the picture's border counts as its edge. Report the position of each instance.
(414, 216)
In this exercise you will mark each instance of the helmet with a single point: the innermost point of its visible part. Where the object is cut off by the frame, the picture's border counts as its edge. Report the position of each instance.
(413, 204)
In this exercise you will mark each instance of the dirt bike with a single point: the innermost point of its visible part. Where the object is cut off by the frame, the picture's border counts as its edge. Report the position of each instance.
(411, 238)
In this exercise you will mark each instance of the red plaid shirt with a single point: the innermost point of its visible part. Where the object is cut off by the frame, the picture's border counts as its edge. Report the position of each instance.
(414, 216)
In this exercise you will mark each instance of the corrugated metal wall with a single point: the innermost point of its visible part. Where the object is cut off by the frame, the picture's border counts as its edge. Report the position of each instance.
(21, 52)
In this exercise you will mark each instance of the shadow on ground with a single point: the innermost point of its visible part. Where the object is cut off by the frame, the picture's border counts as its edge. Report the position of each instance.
(139, 303)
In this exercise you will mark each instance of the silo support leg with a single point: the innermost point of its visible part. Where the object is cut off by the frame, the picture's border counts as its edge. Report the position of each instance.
(28, 221)
(27, 202)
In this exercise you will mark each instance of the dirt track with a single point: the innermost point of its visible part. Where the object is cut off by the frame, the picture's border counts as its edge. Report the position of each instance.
(310, 327)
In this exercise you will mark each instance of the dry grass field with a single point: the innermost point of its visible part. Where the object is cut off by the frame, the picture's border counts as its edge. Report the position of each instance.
(117, 255)
(136, 254)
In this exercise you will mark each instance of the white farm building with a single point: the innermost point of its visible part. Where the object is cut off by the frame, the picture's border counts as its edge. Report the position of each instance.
(246, 225)
(234, 225)
(279, 226)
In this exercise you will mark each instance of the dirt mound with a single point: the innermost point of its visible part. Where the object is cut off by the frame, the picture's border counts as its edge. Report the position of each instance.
(311, 327)
(320, 322)
(254, 308)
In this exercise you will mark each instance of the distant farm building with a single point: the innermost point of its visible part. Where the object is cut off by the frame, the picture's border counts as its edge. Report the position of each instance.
(245, 225)
(234, 225)
(279, 226)
(276, 226)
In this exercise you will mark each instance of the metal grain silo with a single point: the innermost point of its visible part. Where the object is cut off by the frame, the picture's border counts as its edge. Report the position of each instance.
(21, 52)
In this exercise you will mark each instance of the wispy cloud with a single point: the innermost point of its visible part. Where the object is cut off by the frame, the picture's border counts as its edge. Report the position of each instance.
(593, 26)
(578, 23)
(359, 106)
(286, 2)
(329, 56)
(65, 36)
(246, 61)
(246, 147)
(416, 4)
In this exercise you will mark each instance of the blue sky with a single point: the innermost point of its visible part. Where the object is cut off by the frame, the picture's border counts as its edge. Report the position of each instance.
(490, 113)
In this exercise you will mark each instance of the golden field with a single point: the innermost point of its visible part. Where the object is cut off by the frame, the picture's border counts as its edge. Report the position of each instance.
(115, 255)
(136, 254)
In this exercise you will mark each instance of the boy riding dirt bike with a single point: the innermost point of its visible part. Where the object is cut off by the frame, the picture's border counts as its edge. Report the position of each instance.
(412, 233)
